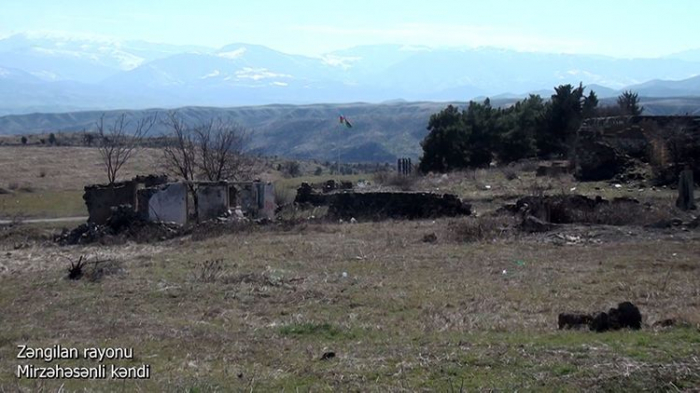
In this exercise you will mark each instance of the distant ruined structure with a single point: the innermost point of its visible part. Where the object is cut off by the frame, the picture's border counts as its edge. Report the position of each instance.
(155, 199)
(606, 146)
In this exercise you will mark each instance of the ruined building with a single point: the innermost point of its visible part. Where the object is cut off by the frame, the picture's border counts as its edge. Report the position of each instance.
(606, 147)
(155, 199)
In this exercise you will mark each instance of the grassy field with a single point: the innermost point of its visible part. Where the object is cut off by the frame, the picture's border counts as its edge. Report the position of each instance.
(406, 316)
(255, 308)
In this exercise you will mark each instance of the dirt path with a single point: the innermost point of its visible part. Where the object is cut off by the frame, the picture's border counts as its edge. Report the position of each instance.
(46, 220)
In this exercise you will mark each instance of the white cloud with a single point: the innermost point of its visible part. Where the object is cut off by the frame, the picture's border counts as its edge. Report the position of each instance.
(414, 35)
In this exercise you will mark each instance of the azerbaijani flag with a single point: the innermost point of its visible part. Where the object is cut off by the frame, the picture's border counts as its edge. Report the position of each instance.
(344, 120)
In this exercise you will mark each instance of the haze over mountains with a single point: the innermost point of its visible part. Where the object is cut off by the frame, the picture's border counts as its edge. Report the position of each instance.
(43, 73)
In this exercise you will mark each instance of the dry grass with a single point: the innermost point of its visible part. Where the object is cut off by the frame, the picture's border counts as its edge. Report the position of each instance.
(65, 168)
(405, 316)
(399, 313)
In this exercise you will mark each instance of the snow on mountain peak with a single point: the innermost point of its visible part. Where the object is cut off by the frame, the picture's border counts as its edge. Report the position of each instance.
(233, 54)
(257, 74)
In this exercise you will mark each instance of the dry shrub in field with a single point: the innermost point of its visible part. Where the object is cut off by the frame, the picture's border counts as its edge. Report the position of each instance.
(93, 270)
(485, 228)
(208, 271)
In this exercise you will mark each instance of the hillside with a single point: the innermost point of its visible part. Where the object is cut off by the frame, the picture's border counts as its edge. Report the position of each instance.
(380, 133)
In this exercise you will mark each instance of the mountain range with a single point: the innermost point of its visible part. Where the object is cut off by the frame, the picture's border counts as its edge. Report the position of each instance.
(48, 73)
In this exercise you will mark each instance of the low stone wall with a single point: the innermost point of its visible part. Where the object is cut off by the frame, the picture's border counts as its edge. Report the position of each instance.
(381, 205)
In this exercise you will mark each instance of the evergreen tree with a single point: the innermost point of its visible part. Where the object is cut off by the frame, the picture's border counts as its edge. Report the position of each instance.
(446, 146)
(628, 102)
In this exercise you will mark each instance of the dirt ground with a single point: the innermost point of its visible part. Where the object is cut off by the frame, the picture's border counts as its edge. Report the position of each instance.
(261, 308)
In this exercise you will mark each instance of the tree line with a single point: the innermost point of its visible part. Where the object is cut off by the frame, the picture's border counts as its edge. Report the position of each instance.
(479, 134)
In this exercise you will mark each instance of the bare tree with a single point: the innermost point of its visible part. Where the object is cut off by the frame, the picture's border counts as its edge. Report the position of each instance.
(117, 145)
(220, 151)
(212, 150)
(180, 153)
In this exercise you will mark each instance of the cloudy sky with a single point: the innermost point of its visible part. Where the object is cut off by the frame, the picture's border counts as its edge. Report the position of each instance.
(620, 28)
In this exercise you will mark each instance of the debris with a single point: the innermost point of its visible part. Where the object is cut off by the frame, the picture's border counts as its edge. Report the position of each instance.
(430, 238)
(345, 205)
(626, 315)
(574, 321)
(617, 185)
(686, 198)
(327, 355)
(533, 224)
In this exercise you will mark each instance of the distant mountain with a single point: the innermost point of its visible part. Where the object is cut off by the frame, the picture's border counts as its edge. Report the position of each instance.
(688, 55)
(99, 73)
(380, 133)
(666, 88)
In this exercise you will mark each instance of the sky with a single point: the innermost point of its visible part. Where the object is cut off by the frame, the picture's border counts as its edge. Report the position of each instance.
(619, 28)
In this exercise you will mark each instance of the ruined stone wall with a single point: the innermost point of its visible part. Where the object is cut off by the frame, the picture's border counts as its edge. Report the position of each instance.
(256, 199)
(164, 203)
(100, 199)
(605, 146)
(381, 205)
(213, 200)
